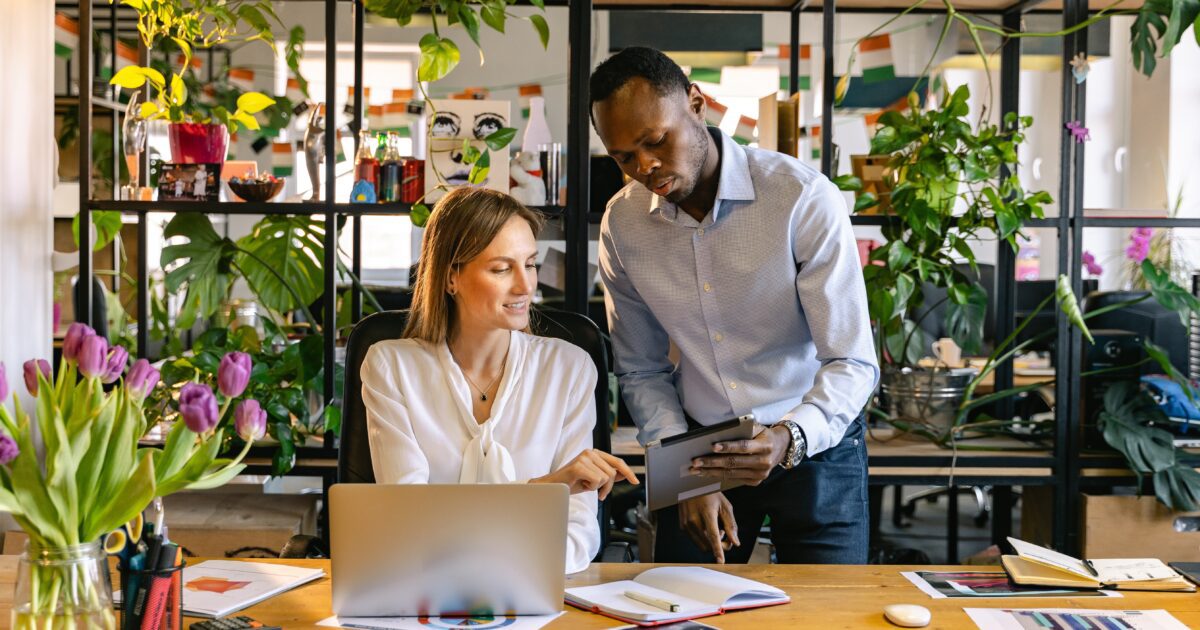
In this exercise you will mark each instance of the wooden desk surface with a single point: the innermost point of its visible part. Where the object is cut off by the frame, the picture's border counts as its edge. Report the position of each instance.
(827, 597)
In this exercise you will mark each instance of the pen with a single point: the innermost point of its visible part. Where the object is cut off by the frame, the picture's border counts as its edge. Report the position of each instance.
(1091, 567)
(652, 601)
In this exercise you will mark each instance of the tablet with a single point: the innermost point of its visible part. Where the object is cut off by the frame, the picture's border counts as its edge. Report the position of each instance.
(668, 481)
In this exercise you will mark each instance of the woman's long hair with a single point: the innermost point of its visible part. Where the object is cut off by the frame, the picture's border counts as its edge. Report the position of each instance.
(462, 225)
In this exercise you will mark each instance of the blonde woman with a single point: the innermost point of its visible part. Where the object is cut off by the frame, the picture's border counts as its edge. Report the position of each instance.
(468, 395)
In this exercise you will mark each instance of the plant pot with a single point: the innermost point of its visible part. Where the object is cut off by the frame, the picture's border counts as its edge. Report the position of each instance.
(924, 398)
(63, 587)
(198, 143)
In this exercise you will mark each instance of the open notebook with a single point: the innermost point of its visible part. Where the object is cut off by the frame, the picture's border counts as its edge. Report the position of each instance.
(699, 592)
(1034, 565)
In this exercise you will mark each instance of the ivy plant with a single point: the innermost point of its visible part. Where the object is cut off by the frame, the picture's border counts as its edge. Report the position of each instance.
(440, 55)
(948, 192)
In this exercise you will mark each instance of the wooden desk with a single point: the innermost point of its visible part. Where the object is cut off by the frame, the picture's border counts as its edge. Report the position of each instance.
(822, 596)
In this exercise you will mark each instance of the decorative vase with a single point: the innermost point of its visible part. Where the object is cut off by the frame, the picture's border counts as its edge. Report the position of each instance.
(63, 587)
(198, 143)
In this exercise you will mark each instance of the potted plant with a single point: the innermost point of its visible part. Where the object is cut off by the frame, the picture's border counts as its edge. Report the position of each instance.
(86, 474)
(947, 193)
(188, 25)
(440, 55)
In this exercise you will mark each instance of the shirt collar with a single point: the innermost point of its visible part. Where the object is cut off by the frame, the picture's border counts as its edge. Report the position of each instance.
(733, 181)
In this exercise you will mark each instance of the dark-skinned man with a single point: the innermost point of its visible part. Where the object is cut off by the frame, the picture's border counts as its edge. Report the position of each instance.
(746, 260)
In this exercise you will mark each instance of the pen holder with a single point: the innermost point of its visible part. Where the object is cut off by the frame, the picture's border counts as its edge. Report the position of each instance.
(152, 599)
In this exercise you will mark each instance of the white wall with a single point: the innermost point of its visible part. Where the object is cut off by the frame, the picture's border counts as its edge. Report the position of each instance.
(27, 171)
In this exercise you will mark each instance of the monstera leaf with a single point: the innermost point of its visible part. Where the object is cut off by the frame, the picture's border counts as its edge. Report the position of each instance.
(282, 260)
(205, 271)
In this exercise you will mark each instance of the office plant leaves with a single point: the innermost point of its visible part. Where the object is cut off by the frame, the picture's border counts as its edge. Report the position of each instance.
(1127, 423)
(282, 258)
(205, 265)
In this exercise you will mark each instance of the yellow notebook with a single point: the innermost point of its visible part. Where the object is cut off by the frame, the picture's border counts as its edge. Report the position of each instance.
(1037, 566)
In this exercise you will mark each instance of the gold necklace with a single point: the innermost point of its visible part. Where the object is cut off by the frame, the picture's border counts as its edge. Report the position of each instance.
(483, 392)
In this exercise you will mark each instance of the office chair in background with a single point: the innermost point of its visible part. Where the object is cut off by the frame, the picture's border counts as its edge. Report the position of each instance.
(354, 453)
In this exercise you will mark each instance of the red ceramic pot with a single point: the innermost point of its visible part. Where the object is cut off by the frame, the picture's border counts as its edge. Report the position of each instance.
(198, 143)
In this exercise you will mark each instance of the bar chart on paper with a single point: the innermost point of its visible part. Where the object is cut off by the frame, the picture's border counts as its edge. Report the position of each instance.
(1068, 619)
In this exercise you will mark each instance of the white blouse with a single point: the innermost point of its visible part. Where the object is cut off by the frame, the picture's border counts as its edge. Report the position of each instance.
(421, 428)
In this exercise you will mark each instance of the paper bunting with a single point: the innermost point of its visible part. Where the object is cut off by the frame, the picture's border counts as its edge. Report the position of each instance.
(66, 35)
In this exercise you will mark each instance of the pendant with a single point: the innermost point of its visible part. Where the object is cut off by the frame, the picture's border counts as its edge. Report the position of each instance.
(483, 397)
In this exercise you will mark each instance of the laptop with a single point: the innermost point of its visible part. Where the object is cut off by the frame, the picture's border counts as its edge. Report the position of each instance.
(455, 549)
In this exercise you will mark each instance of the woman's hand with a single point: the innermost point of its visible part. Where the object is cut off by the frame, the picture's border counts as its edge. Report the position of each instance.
(590, 470)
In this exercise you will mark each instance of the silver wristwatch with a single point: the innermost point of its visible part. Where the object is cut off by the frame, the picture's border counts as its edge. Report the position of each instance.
(797, 448)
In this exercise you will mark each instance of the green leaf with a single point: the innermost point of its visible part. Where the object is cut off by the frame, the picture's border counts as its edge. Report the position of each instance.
(541, 4)
(864, 201)
(493, 15)
(107, 224)
(471, 23)
(133, 497)
(249, 121)
(1178, 487)
(543, 29)
(500, 138)
(179, 93)
(208, 257)
(148, 110)
(847, 182)
(254, 102)
(899, 255)
(1169, 294)
(129, 77)
(419, 214)
(1160, 356)
(1070, 306)
(1123, 421)
(438, 57)
(917, 341)
(964, 321)
(282, 258)
(1183, 13)
(333, 418)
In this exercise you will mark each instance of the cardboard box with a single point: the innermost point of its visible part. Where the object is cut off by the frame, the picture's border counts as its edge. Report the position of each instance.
(1138, 527)
(225, 525)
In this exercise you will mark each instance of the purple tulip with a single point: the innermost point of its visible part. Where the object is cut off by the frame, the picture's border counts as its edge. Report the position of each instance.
(32, 367)
(142, 379)
(93, 356)
(234, 374)
(199, 407)
(3, 383)
(8, 450)
(250, 420)
(117, 359)
(73, 342)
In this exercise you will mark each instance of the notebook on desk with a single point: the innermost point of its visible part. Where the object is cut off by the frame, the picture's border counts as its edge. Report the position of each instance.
(694, 591)
(1037, 566)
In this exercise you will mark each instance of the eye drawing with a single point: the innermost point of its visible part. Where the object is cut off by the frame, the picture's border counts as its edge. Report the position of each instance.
(486, 124)
(445, 125)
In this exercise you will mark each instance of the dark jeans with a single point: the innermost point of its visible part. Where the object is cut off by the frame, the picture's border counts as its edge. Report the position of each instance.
(818, 512)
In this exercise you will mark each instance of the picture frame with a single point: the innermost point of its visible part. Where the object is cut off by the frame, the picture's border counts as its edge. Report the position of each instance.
(189, 182)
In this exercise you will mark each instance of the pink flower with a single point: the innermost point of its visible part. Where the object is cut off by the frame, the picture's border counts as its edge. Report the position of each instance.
(1089, 263)
(233, 374)
(115, 366)
(198, 407)
(1139, 244)
(251, 420)
(141, 379)
(8, 450)
(93, 356)
(76, 333)
(32, 367)
(3, 383)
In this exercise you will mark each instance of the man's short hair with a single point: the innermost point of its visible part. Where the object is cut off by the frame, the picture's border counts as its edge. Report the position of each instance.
(636, 61)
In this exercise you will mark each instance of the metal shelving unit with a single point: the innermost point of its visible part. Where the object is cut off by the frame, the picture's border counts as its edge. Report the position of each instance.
(576, 216)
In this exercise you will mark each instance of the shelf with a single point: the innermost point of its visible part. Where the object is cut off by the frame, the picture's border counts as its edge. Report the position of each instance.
(270, 207)
(970, 6)
(97, 103)
(1127, 222)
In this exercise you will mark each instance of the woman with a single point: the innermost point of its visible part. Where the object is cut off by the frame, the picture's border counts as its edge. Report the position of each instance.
(468, 395)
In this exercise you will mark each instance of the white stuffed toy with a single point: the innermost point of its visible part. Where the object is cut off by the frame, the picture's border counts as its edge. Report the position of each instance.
(525, 172)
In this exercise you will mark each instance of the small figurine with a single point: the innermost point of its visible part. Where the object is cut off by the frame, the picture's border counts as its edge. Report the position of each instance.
(363, 192)
(314, 149)
(133, 132)
(525, 172)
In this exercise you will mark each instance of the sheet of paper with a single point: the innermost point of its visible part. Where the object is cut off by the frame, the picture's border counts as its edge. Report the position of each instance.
(1129, 569)
(1039, 618)
(981, 584)
(510, 622)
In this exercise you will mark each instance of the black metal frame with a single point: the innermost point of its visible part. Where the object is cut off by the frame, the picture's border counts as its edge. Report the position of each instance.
(577, 216)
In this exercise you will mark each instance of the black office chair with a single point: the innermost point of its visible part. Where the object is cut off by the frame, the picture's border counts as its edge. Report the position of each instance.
(354, 452)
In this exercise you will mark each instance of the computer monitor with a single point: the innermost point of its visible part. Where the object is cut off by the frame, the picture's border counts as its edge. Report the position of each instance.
(1030, 294)
(1149, 319)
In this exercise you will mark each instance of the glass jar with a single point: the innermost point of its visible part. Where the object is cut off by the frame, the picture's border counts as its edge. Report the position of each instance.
(63, 587)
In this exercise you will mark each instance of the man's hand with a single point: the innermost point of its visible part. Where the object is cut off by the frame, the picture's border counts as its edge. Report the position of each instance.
(592, 469)
(709, 521)
(750, 461)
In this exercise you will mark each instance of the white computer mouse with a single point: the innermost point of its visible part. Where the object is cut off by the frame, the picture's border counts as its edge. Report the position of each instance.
(907, 615)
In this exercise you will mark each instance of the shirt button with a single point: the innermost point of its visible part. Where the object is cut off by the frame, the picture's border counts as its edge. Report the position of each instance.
(700, 232)
(707, 288)
(732, 385)
(718, 337)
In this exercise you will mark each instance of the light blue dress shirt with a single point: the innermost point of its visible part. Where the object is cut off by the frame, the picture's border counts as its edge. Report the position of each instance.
(764, 299)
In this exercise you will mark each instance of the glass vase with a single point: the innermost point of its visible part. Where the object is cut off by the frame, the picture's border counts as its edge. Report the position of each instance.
(63, 587)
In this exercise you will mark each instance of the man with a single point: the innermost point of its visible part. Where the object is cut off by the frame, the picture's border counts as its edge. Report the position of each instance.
(746, 260)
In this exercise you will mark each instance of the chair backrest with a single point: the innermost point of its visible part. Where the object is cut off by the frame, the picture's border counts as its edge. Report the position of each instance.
(354, 452)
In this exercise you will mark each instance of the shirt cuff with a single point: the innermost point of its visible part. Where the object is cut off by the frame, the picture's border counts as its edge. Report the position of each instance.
(815, 425)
